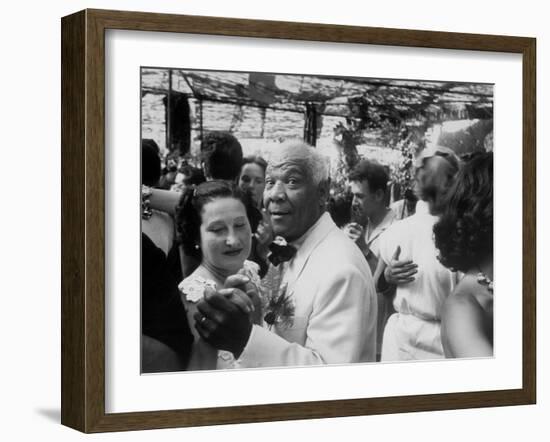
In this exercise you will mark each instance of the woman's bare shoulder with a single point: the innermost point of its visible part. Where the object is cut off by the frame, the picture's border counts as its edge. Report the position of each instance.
(469, 294)
(466, 320)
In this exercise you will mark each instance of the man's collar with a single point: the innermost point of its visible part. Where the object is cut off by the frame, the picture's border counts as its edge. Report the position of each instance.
(280, 244)
(308, 242)
(422, 207)
(372, 234)
(298, 242)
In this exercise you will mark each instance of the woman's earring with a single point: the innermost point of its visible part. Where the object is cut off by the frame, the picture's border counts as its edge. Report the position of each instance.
(197, 247)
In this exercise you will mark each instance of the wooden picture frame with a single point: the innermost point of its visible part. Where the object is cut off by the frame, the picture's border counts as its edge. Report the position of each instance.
(83, 219)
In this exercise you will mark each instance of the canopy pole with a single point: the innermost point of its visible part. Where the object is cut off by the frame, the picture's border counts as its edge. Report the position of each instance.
(200, 118)
(310, 124)
(169, 113)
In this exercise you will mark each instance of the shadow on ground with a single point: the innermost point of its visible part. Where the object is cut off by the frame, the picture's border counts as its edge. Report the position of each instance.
(52, 414)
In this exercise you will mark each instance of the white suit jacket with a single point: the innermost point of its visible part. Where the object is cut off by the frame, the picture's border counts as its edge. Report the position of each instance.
(335, 302)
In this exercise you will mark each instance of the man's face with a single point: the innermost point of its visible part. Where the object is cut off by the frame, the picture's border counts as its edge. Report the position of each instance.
(291, 198)
(365, 203)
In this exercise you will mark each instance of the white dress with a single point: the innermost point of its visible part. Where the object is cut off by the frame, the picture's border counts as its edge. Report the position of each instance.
(204, 356)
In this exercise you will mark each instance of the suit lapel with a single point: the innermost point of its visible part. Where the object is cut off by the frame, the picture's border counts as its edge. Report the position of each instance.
(317, 233)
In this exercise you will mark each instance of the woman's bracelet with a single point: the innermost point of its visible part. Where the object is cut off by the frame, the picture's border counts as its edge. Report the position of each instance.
(146, 193)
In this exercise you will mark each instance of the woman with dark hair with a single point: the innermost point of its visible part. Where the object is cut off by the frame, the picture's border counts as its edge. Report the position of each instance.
(215, 229)
(221, 159)
(252, 181)
(339, 207)
(252, 177)
(188, 176)
(464, 237)
(222, 156)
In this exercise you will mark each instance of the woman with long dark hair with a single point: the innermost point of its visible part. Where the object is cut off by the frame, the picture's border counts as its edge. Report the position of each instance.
(464, 237)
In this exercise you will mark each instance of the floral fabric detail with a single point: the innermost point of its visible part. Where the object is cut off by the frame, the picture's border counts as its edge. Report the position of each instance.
(193, 288)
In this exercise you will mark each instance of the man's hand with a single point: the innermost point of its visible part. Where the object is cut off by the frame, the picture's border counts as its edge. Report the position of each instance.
(400, 272)
(222, 322)
(254, 301)
(354, 231)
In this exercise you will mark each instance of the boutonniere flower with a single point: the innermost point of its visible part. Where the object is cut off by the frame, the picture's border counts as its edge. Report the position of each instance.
(280, 310)
(278, 304)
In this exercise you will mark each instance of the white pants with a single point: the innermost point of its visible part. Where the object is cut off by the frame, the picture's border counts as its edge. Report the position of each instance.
(407, 337)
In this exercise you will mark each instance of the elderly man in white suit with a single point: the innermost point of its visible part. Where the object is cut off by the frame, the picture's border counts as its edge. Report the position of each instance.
(328, 281)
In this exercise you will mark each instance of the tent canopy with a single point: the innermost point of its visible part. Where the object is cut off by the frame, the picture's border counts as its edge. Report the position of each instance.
(337, 96)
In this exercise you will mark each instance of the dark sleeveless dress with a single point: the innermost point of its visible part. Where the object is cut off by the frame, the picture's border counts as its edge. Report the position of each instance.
(163, 315)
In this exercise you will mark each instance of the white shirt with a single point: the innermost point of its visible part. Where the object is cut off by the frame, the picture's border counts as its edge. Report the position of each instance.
(372, 235)
(424, 296)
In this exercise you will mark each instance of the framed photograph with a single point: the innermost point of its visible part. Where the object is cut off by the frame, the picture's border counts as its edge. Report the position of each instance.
(212, 277)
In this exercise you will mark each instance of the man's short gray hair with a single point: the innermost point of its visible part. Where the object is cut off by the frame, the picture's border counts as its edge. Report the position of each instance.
(315, 163)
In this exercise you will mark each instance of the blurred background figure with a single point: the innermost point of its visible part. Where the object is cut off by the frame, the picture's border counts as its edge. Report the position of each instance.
(188, 176)
(339, 207)
(252, 178)
(222, 156)
(405, 207)
(408, 261)
(169, 172)
(252, 182)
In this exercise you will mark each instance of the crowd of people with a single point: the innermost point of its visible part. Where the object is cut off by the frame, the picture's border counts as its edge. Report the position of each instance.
(253, 263)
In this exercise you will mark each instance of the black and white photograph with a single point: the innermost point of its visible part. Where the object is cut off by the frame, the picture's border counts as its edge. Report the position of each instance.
(275, 221)
(299, 220)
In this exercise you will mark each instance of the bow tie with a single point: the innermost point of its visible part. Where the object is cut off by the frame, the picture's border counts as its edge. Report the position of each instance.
(281, 253)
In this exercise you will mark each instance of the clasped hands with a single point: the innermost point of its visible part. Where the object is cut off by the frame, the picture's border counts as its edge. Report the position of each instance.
(224, 317)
